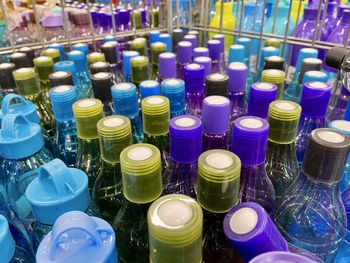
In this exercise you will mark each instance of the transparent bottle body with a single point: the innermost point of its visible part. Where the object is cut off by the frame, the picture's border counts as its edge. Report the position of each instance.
(292, 92)
(345, 181)
(3, 32)
(162, 143)
(137, 129)
(337, 106)
(194, 103)
(22, 256)
(214, 141)
(84, 85)
(53, 34)
(344, 250)
(81, 31)
(238, 105)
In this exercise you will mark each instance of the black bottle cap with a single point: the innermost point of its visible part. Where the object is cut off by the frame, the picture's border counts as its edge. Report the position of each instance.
(98, 67)
(6, 78)
(274, 62)
(309, 64)
(30, 54)
(109, 49)
(335, 56)
(326, 155)
(61, 78)
(20, 60)
(216, 84)
(178, 35)
(102, 83)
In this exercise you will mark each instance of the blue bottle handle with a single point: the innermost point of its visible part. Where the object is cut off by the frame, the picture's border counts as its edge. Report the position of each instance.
(8, 124)
(6, 102)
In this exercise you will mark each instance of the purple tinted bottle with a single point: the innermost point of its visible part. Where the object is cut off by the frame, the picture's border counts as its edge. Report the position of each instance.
(214, 53)
(261, 95)
(174, 90)
(222, 62)
(167, 66)
(184, 57)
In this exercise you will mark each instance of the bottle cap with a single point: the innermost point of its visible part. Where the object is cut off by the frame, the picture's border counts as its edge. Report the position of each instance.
(57, 190)
(81, 47)
(79, 59)
(125, 99)
(305, 53)
(149, 88)
(274, 62)
(236, 53)
(59, 78)
(52, 53)
(175, 225)
(216, 114)
(60, 49)
(110, 50)
(192, 39)
(114, 134)
(185, 141)
(274, 42)
(345, 17)
(200, 52)
(166, 39)
(216, 84)
(206, 62)
(218, 180)
(261, 95)
(136, 19)
(267, 52)
(335, 56)
(315, 75)
(80, 18)
(178, 35)
(214, 49)
(156, 49)
(124, 16)
(330, 148)
(101, 84)
(184, 52)
(16, 134)
(87, 113)
(237, 73)
(127, 56)
(341, 9)
(307, 65)
(193, 32)
(68, 66)
(252, 232)
(340, 125)
(221, 38)
(167, 65)
(30, 54)
(78, 237)
(26, 81)
(20, 60)
(6, 77)
(96, 57)
(154, 36)
(279, 256)
(194, 78)
(109, 38)
(141, 172)
(174, 90)
(156, 115)
(273, 76)
(283, 119)
(43, 66)
(7, 243)
(310, 13)
(139, 61)
(139, 44)
(314, 99)
(62, 99)
(246, 42)
(99, 67)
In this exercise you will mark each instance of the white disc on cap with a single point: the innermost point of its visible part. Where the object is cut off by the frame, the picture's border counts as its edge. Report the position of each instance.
(313, 60)
(140, 153)
(101, 75)
(172, 82)
(309, 50)
(274, 72)
(42, 58)
(202, 59)
(251, 123)
(243, 221)
(60, 74)
(219, 160)
(264, 86)
(193, 66)
(316, 73)
(75, 52)
(318, 85)
(201, 49)
(237, 65)
(274, 58)
(270, 48)
(149, 83)
(185, 43)
(330, 136)
(17, 54)
(155, 100)
(24, 70)
(61, 89)
(214, 41)
(217, 76)
(185, 122)
(130, 53)
(342, 125)
(164, 35)
(95, 54)
(191, 36)
(174, 213)
(99, 64)
(167, 55)
(5, 65)
(86, 103)
(113, 122)
(122, 86)
(216, 100)
(285, 106)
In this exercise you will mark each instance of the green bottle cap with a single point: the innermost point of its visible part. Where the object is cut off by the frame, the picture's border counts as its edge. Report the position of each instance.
(141, 171)
(52, 53)
(95, 57)
(283, 119)
(218, 180)
(276, 77)
(87, 113)
(138, 43)
(114, 134)
(156, 49)
(175, 225)
(44, 66)
(139, 61)
(156, 115)
(24, 73)
(136, 20)
(26, 81)
(273, 42)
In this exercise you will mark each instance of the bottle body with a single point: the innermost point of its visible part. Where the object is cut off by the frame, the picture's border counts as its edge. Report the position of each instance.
(22, 256)
(194, 103)
(137, 129)
(84, 86)
(344, 250)
(214, 141)
(238, 105)
(337, 105)
(162, 143)
(54, 34)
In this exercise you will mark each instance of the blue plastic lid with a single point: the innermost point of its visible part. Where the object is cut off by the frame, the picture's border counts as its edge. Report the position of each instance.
(17, 134)
(79, 59)
(174, 90)
(109, 38)
(315, 75)
(68, 66)
(57, 190)
(7, 243)
(305, 53)
(62, 99)
(341, 125)
(154, 36)
(267, 52)
(149, 88)
(22, 106)
(60, 48)
(125, 99)
(81, 47)
(127, 55)
(77, 237)
(166, 38)
(236, 53)
(246, 42)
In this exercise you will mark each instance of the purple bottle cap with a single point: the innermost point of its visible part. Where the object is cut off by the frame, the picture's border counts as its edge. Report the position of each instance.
(206, 62)
(221, 38)
(184, 52)
(214, 49)
(310, 13)
(315, 98)
(346, 17)
(279, 257)
(194, 78)
(251, 231)
(94, 17)
(237, 73)
(341, 9)
(200, 52)
(249, 139)
(143, 15)
(216, 114)
(124, 17)
(192, 39)
(185, 138)
(52, 21)
(167, 65)
(261, 95)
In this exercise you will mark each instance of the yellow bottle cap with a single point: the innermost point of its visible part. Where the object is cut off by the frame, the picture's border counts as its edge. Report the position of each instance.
(156, 115)
(139, 61)
(24, 74)
(96, 57)
(52, 53)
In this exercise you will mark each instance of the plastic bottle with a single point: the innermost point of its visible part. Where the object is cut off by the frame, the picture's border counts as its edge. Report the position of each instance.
(236, 54)
(52, 53)
(178, 35)
(44, 67)
(7, 83)
(261, 95)
(81, 23)
(178, 238)
(312, 206)
(81, 47)
(330, 28)
(264, 53)
(139, 45)
(99, 67)
(223, 56)
(69, 66)
(249, 142)
(110, 50)
(166, 39)
(314, 102)
(275, 76)
(87, 113)
(59, 78)
(185, 145)
(101, 84)
(114, 134)
(246, 43)
(136, 19)
(206, 62)
(167, 66)
(3, 30)
(287, 257)
(53, 28)
(184, 57)
(124, 20)
(156, 49)
(174, 90)
(139, 69)
(86, 239)
(281, 161)
(142, 184)
(274, 62)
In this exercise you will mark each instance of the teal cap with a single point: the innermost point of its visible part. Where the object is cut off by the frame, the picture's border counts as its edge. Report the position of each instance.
(109, 38)
(315, 75)
(340, 125)
(81, 47)
(60, 48)
(236, 53)
(305, 53)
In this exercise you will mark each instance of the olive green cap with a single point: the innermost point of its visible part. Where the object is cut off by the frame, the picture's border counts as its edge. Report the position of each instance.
(87, 113)
(156, 115)
(52, 53)
(95, 57)
(43, 61)
(273, 42)
(139, 61)
(141, 172)
(114, 134)
(44, 67)
(273, 76)
(24, 73)
(283, 119)
(218, 180)
(175, 224)
(138, 43)
(26, 81)
(158, 47)
(136, 20)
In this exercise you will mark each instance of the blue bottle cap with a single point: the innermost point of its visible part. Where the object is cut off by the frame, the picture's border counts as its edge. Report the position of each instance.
(340, 125)
(305, 53)
(267, 52)
(109, 38)
(23, 106)
(315, 75)
(62, 99)
(154, 36)
(174, 90)
(81, 47)
(77, 237)
(60, 48)
(127, 55)
(68, 66)
(79, 59)
(16, 134)
(7, 243)
(236, 53)
(166, 39)
(125, 99)
(57, 190)
(246, 42)
(149, 88)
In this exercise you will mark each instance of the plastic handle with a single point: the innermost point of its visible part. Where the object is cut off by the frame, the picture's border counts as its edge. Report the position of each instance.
(55, 177)
(6, 102)
(9, 123)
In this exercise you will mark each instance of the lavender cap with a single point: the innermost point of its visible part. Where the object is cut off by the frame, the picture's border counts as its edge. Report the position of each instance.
(278, 256)
(236, 53)
(315, 98)
(185, 138)
(261, 95)
(192, 39)
(214, 49)
(310, 13)
(206, 62)
(249, 139)
(184, 52)
(200, 52)
(216, 114)
(237, 73)
(341, 9)
(216, 84)
(251, 231)
(167, 65)
(54, 20)
(194, 78)
(346, 16)
(221, 38)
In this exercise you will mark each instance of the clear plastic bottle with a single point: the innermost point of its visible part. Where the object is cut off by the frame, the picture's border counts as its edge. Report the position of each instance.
(53, 29)
(44, 67)
(3, 31)
(81, 23)
(156, 49)
(174, 90)
(311, 215)
(101, 84)
(184, 57)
